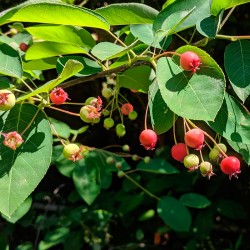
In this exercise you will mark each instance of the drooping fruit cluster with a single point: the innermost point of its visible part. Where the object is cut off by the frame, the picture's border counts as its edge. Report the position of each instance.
(7, 100)
(148, 139)
(190, 61)
(58, 96)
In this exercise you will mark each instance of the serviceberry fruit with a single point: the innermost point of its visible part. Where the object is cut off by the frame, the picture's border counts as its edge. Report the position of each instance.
(107, 92)
(126, 148)
(179, 151)
(7, 100)
(120, 130)
(126, 108)
(191, 161)
(95, 102)
(214, 154)
(108, 123)
(190, 61)
(110, 160)
(72, 152)
(132, 115)
(90, 114)
(206, 169)
(146, 159)
(23, 47)
(230, 166)
(194, 138)
(12, 140)
(58, 96)
(222, 146)
(148, 139)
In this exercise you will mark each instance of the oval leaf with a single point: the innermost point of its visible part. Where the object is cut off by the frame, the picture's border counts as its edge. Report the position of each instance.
(174, 214)
(22, 169)
(232, 121)
(237, 65)
(40, 64)
(192, 95)
(241, 148)
(54, 13)
(63, 34)
(10, 61)
(128, 13)
(194, 200)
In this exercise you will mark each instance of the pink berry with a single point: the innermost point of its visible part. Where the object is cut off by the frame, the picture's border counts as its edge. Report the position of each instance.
(127, 108)
(230, 166)
(23, 47)
(148, 139)
(58, 96)
(190, 61)
(179, 152)
(194, 138)
(12, 140)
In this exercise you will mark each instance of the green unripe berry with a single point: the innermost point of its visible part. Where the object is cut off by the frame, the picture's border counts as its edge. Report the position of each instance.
(118, 165)
(125, 148)
(205, 167)
(120, 130)
(107, 92)
(90, 100)
(110, 160)
(108, 123)
(222, 146)
(120, 174)
(132, 115)
(7, 100)
(147, 159)
(214, 154)
(105, 112)
(135, 157)
(191, 161)
(85, 113)
(70, 149)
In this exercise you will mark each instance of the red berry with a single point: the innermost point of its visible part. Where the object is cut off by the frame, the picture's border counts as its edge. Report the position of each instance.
(148, 139)
(190, 61)
(179, 152)
(126, 108)
(23, 46)
(194, 138)
(230, 166)
(58, 96)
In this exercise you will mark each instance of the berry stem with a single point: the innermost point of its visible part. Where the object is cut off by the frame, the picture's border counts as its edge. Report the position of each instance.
(182, 38)
(201, 156)
(30, 123)
(166, 53)
(141, 187)
(227, 16)
(209, 136)
(175, 141)
(64, 111)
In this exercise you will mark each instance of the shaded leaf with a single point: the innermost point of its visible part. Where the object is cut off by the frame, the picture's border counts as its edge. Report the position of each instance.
(237, 65)
(128, 13)
(232, 121)
(174, 214)
(241, 148)
(19, 176)
(194, 200)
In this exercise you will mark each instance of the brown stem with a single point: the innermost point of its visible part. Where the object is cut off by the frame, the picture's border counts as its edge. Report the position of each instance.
(64, 111)
(166, 53)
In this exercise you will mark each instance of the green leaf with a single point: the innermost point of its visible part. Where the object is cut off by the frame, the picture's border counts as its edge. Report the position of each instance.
(25, 246)
(41, 50)
(194, 10)
(232, 209)
(174, 214)
(209, 26)
(157, 166)
(54, 238)
(194, 200)
(40, 64)
(128, 13)
(62, 128)
(10, 61)
(20, 211)
(237, 65)
(138, 78)
(71, 68)
(54, 13)
(90, 67)
(232, 121)
(162, 118)
(168, 2)
(218, 5)
(63, 34)
(241, 148)
(19, 174)
(145, 33)
(197, 96)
